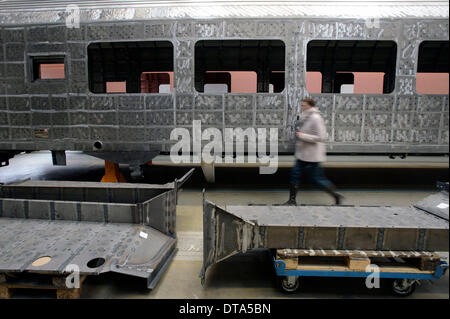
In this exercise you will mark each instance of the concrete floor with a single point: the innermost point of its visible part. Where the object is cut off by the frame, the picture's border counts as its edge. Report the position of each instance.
(242, 276)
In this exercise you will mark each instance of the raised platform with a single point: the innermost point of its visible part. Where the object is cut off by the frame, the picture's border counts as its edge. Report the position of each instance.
(335, 161)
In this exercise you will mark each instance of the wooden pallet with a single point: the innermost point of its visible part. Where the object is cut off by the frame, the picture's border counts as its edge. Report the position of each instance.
(356, 260)
(13, 282)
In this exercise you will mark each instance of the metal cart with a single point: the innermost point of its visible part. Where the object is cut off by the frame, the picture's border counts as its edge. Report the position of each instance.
(402, 283)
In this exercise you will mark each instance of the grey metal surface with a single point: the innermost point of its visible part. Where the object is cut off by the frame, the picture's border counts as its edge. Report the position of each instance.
(131, 226)
(332, 216)
(401, 122)
(436, 205)
(234, 229)
(53, 185)
(67, 242)
(236, 9)
(84, 191)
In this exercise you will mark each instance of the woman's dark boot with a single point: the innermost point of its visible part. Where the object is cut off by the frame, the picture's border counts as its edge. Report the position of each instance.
(337, 196)
(292, 195)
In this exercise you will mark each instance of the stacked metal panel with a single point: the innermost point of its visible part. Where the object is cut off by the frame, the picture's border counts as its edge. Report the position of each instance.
(130, 228)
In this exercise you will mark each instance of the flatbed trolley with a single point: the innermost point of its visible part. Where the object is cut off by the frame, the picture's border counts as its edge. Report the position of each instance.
(404, 269)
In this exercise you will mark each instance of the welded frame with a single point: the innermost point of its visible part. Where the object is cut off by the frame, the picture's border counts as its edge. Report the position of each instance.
(400, 122)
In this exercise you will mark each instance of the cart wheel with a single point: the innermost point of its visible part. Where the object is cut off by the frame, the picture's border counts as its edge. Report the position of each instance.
(289, 284)
(403, 287)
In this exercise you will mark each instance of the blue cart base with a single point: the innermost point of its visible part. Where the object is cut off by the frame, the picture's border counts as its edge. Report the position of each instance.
(403, 282)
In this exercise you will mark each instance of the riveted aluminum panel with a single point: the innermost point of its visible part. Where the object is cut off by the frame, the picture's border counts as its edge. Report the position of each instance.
(361, 123)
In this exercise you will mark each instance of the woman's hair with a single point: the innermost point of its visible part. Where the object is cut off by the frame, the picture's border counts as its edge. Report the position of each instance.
(309, 100)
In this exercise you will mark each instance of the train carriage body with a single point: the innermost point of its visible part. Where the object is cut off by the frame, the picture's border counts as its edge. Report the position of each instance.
(75, 112)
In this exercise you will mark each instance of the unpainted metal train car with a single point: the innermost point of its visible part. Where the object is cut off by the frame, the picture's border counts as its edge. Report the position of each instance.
(160, 55)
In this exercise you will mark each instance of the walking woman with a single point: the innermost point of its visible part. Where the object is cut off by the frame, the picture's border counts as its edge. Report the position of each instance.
(310, 152)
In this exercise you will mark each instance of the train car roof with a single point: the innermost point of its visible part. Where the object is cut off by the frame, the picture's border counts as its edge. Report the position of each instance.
(19, 12)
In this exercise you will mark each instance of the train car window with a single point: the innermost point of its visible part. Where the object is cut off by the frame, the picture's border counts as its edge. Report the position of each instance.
(336, 65)
(432, 75)
(47, 67)
(245, 66)
(145, 66)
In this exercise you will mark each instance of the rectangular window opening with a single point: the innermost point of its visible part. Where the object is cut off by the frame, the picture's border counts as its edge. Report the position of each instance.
(350, 67)
(432, 75)
(239, 66)
(140, 67)
(47, 68)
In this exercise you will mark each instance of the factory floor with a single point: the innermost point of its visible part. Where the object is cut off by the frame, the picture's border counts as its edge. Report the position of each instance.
(242, 276)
